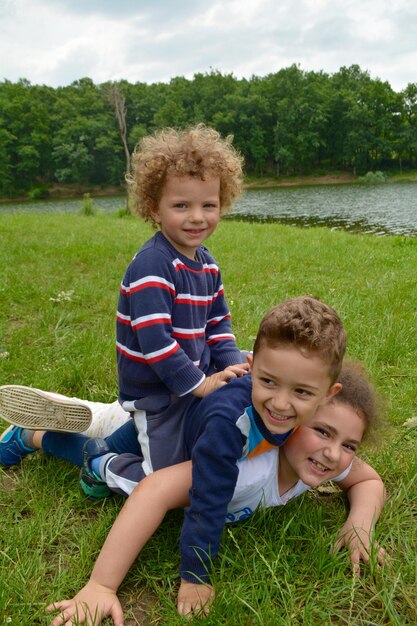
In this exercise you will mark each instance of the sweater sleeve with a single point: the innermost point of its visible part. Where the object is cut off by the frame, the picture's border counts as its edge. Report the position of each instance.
(219, 335)
(215, 474)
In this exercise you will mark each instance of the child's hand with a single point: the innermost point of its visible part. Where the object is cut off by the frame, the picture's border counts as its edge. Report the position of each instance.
(213, 382)
(194, 598)
(240, 369)
(89, 606)
(358, 542)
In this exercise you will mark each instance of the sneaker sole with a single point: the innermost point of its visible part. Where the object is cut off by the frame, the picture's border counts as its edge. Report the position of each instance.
(34, 409)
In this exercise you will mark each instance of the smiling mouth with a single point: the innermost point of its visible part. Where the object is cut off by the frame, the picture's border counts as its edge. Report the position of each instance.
(277, 417)
(194, 231)
(319, 466)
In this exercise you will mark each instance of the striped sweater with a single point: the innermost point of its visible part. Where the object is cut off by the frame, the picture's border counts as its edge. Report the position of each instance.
(173, 322)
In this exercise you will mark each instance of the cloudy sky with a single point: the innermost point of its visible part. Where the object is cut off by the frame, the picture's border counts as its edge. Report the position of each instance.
(55, 42)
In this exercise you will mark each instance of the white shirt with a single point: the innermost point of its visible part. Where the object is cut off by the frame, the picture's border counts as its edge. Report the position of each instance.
(258, 485)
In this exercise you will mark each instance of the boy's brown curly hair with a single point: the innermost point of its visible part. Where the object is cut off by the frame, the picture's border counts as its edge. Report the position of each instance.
(307, 324)
(197, 151)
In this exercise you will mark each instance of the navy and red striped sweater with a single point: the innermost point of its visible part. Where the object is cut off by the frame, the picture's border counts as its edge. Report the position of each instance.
(173, 322)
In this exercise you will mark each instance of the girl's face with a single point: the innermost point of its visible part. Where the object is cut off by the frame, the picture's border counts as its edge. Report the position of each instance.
(323, 447)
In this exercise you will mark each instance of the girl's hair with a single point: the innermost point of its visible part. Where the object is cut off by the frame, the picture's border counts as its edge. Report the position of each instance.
(359, 393)
(197, 151)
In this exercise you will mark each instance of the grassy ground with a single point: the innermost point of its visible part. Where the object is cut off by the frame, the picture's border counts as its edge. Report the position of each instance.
(58, 291)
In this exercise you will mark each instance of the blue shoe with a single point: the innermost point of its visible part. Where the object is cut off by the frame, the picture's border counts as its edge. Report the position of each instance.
(91, 484)
(12, 448)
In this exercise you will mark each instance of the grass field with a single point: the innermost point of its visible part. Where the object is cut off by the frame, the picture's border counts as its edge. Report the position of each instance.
(60, 276)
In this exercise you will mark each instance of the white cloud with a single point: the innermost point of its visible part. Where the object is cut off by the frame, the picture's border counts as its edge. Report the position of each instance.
(58, 41)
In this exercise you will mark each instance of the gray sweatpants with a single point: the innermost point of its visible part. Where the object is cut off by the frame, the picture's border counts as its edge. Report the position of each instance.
(159, 429)
(160, 442)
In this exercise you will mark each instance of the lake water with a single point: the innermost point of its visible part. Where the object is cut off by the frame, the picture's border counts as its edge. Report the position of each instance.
(389, 208)
(381, 209)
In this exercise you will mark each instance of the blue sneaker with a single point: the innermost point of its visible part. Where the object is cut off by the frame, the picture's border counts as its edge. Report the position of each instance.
(91, 484)
(12, 448)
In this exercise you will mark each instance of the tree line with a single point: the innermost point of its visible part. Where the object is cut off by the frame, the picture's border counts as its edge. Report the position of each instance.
(288, 122)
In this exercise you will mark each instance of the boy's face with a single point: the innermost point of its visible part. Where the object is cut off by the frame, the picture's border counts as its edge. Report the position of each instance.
(288, 387)
(324, 447)
(188, 211)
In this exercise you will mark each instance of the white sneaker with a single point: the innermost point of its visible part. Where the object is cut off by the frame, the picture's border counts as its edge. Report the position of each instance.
(40, 410)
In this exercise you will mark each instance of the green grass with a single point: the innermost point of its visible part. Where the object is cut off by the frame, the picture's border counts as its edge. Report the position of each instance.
(60, 275)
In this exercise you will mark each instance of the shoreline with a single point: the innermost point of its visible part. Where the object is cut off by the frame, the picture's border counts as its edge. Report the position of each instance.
(343, 178)
(66, 192)
(340, 178)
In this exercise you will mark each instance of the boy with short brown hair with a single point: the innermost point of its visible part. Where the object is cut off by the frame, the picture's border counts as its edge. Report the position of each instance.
(297, 358)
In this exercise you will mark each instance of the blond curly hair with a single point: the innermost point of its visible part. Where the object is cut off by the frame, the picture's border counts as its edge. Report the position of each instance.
(197, 151)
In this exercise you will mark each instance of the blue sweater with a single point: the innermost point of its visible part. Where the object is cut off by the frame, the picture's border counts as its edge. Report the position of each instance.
(219, 430)
(173, 322)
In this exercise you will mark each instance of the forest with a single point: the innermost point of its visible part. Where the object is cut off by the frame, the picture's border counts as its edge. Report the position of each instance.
(291, 122)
